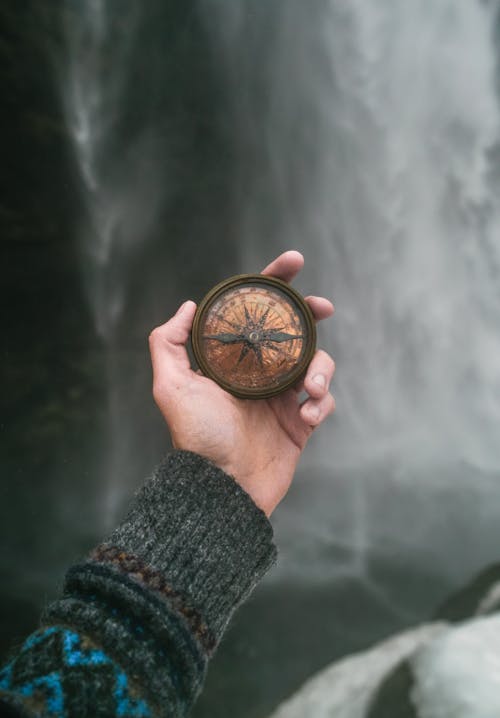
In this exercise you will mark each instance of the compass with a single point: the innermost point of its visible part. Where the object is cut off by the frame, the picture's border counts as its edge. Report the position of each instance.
(254, 335)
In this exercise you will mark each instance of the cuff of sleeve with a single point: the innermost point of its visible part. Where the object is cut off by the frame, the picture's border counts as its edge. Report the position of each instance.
(196, 526)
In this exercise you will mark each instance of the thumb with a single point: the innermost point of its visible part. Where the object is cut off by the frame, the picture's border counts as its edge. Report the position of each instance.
(167, 344)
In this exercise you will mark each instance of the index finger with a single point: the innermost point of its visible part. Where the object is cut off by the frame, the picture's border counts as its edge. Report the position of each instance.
(286, 266)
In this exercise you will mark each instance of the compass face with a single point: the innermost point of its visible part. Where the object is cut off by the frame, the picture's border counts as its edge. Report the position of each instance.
(253, 335)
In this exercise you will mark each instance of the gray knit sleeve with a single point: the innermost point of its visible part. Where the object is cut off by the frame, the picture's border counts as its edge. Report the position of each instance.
(194, 525)
(141, 616)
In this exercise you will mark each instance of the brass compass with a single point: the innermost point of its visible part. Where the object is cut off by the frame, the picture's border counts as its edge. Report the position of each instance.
(254, 335)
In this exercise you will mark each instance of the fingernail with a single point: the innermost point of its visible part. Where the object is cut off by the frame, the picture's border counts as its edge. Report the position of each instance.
(320, 380)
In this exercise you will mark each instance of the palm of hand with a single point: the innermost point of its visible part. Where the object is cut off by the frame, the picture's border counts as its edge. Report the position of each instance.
(258, 442)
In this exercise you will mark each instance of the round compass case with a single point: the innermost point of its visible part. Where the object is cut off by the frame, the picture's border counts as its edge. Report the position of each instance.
(254, 335)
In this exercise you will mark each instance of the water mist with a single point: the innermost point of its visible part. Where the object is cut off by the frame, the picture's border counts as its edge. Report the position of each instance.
(367, 137)
(122, 187)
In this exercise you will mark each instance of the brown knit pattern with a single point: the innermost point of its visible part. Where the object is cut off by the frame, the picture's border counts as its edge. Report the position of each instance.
(136, 569)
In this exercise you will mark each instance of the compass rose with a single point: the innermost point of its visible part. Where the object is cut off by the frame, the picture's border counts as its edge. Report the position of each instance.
(254, 336)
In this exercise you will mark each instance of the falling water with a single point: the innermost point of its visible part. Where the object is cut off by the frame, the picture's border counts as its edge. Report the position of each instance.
(93, 94)
(122, 189)
(367, 136)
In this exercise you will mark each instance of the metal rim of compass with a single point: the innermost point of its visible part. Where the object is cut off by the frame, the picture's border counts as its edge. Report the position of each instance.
(296, 299)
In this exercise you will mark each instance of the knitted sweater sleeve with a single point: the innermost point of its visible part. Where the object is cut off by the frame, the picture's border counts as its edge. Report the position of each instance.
(140, 617)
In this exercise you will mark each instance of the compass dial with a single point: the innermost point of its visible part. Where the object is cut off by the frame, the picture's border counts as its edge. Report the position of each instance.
(253, 335)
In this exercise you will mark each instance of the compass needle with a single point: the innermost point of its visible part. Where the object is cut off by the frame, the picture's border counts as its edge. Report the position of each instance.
(282, 336)
(226, 338)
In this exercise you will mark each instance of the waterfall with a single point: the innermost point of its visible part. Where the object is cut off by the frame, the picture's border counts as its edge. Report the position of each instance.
(99, 46)
(374, 148)
(210, 135)
(367, 135)
(122, 189)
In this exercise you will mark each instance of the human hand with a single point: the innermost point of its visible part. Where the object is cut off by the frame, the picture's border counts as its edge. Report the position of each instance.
(258, 442)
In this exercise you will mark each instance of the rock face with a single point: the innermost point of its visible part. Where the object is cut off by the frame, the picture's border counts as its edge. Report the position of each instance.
(346, 689)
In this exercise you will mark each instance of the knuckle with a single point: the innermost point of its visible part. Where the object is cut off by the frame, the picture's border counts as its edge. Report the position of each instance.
(154, 336)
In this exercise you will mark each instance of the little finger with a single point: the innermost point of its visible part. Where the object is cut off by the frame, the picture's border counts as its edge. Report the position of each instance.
(314, 411)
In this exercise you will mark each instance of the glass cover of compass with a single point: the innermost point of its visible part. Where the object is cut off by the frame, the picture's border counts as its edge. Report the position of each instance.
(254, 335)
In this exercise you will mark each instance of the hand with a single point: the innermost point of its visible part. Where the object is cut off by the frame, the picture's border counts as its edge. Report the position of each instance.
(258, 442)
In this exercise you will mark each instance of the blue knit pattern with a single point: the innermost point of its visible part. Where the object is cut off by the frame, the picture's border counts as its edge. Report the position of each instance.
(67, 658)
